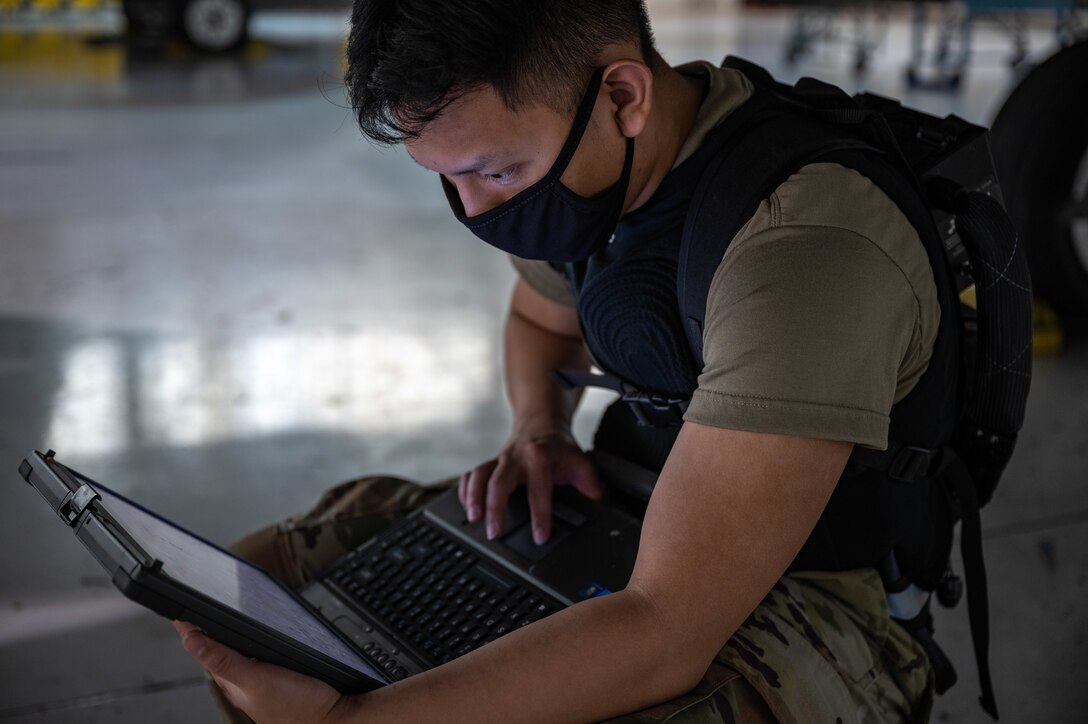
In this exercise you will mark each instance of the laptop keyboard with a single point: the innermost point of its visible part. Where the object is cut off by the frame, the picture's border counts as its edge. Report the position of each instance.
(435, 593)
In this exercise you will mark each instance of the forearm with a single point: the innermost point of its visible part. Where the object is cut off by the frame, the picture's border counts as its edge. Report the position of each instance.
(603, 657)
(531, 352)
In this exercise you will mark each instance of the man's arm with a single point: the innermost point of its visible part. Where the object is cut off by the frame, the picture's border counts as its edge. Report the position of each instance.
(730, 511)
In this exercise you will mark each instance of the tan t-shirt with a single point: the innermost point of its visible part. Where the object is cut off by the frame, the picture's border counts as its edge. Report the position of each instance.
(823, 312)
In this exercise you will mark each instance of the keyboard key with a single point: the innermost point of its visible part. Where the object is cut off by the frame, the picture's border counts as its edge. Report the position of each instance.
(492, 578)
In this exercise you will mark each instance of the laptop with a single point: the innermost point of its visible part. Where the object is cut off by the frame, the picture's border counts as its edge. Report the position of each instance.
(426, 590)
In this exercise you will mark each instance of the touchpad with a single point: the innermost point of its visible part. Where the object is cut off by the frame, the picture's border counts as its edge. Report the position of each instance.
(520, 540)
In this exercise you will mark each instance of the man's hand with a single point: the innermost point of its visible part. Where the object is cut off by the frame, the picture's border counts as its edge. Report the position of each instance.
(536, 460)
(268, 694)
(540, 335)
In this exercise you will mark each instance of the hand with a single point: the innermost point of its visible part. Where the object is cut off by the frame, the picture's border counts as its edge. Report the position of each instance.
(536, 460)
(268, 694)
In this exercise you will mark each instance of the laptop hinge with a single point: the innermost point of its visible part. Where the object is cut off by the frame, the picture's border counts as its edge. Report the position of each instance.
(73, 506)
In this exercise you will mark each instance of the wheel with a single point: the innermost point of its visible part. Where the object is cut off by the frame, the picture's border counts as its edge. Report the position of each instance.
(1040, 146)
(214, 25)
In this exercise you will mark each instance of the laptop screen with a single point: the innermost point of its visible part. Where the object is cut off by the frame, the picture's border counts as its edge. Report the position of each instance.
(228, 580)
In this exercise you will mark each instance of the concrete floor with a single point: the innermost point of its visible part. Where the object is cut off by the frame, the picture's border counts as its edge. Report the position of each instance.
(217, 299)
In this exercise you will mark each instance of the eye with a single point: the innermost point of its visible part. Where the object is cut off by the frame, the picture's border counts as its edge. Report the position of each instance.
(503, 177)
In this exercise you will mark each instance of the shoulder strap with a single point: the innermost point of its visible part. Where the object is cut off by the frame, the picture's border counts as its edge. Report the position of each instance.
(760, 151)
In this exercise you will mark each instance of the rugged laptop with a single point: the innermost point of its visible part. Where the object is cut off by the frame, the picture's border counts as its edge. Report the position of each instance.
(427, 590)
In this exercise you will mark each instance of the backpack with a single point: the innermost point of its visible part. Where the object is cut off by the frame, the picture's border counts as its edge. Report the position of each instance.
(945, 466)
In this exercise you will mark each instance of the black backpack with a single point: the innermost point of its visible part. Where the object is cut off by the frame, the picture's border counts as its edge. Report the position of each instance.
(952, 436)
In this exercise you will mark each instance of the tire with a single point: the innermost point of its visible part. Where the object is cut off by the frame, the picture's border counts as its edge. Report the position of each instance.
(214, 26)
(1040, 146)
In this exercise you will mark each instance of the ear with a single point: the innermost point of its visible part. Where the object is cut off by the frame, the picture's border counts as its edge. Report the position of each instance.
(630, 84)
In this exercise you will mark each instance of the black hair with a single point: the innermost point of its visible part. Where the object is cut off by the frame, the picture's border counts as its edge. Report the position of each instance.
(407, 60)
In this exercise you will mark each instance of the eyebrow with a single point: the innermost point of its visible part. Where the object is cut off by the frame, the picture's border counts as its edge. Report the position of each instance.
(481, 161)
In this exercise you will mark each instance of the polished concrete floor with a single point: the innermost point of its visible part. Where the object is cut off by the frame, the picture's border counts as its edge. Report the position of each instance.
(217, 299)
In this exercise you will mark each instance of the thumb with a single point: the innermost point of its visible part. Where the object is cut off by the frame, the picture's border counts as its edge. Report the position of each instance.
(582, 474)
(221, 662)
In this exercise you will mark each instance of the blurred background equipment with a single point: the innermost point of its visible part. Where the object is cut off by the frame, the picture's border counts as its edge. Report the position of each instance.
(1040, 141)
(942, 34)
(209, 25)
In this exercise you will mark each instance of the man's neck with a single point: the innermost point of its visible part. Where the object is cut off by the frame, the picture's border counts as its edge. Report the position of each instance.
(676, 104)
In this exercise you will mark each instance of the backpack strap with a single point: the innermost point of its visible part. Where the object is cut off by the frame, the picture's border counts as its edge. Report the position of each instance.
(767, 155)
(773, 144)
(994, 410)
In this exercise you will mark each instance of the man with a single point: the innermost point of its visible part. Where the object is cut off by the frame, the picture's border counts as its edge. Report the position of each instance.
(548, 121)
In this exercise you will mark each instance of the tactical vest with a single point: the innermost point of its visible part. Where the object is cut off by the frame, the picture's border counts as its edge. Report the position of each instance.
(627, 301)
(642, 304)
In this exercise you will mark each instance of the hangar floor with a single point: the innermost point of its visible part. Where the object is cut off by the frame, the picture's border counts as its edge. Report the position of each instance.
(217, 299)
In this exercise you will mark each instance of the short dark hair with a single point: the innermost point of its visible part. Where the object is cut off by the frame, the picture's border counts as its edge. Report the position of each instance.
(409, 59)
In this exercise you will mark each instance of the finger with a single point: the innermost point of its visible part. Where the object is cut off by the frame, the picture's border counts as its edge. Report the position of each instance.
(502, 483)
(462, 487)
(221, 662)
(583, 476)
(183, 627)
(263, 691)
(539, 486)
(476, 489)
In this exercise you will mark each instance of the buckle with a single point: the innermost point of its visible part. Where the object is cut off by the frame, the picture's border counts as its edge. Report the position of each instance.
(656, 410)
(911, 463)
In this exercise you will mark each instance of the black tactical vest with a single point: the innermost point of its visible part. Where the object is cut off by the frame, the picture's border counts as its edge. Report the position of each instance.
(627, 301)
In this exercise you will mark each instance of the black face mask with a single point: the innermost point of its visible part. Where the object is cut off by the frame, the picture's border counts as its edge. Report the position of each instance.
(547, 220)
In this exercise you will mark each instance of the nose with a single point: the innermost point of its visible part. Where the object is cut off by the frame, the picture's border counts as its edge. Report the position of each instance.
(474, 197)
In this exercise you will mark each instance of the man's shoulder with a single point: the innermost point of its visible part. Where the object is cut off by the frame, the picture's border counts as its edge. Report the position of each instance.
(829, 195)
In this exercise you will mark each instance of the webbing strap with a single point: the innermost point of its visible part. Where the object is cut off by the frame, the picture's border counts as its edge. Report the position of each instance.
(650, 409)
(974, 571)
(768, 148)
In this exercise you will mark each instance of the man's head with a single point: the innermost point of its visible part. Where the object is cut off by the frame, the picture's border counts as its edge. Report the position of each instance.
(409, 59)
(485, 93)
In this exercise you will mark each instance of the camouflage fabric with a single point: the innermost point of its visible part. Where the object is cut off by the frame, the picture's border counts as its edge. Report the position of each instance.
(819, 648)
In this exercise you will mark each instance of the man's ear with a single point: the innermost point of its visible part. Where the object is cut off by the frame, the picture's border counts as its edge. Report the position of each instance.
(630, 84)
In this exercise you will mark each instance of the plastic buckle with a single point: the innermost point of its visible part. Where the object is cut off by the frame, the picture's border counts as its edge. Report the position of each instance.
(656, 410)
(911, 463)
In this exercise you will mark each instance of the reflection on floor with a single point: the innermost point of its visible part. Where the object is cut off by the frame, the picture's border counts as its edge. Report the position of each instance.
(216, 298)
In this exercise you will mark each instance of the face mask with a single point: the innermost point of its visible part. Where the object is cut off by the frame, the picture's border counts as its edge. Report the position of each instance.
(547, 220)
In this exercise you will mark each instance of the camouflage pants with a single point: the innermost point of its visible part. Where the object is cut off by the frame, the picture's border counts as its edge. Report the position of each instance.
(819, 648)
